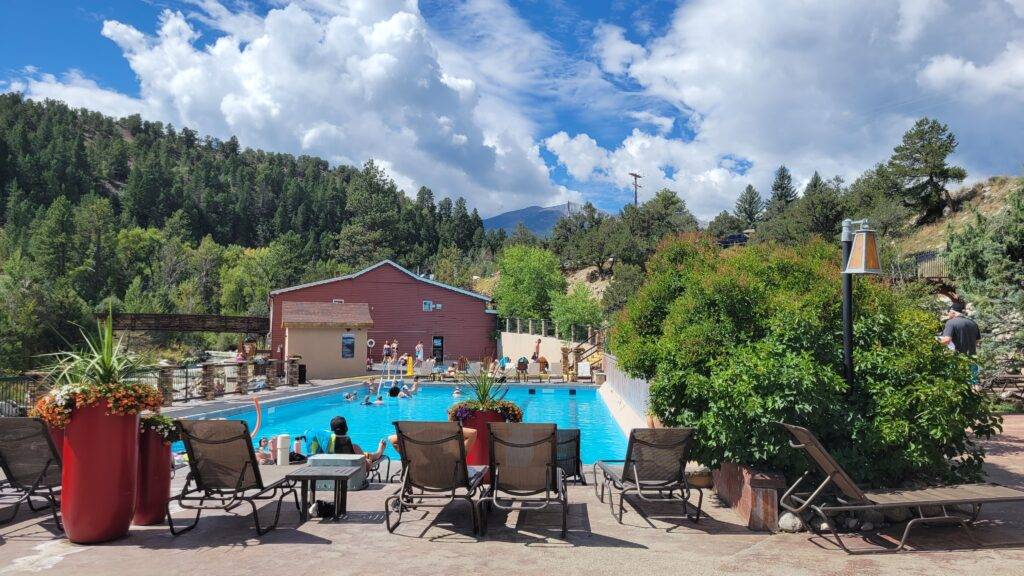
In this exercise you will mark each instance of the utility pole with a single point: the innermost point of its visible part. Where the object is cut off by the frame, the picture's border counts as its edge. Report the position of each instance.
(636, 188)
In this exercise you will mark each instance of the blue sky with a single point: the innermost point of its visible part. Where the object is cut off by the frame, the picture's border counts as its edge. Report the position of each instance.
(543, 101)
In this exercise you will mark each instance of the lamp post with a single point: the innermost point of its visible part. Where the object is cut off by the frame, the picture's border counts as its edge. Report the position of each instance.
(860, 256)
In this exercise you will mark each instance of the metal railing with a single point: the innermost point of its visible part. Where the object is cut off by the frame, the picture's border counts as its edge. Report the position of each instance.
(542, 327)
(18, 394)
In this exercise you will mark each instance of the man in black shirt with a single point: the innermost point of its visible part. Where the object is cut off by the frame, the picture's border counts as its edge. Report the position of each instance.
(961, 331)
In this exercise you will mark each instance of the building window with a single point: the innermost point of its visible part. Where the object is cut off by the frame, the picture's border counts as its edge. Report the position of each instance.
(428, 305)
(437, 306)
(348, 346)
(338, 301)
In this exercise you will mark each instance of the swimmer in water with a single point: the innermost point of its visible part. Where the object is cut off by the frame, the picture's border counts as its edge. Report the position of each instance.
(457, 391)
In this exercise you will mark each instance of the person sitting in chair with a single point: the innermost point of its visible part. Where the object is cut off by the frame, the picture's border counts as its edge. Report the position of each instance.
(343, 444)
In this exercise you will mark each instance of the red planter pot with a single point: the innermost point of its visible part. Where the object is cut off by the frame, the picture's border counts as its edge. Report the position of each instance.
(480, 452)
(154, 486)
(101, 460)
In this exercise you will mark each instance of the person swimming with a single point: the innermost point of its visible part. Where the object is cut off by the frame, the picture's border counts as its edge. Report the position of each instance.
(394, 391)
(378, 401)
(350, 396)
(367, 401)
(457, 391)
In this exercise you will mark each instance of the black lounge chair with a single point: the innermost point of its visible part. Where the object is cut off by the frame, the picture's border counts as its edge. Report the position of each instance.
(31, 464)
(569, 455)
(824, 502)
(343, 445)
(434, 470)
(223, 471)
(655, 464)
(524, 470)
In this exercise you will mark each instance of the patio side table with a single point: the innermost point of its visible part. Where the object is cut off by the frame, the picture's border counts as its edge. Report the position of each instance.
(307, 477)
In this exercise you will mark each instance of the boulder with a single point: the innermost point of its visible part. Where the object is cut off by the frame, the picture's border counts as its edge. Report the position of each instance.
(790, 522)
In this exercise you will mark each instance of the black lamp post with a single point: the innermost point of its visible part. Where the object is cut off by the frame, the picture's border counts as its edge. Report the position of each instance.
(860, 256)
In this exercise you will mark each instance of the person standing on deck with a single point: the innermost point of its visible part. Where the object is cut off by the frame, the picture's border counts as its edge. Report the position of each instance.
(536, 351)
(962, 332)
(419, 351)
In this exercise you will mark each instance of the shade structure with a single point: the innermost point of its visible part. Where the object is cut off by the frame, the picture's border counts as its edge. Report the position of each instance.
(864, 253)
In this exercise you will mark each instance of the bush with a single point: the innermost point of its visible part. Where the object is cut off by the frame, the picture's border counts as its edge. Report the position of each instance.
(527, 277)
(577, 307)
(734, 340)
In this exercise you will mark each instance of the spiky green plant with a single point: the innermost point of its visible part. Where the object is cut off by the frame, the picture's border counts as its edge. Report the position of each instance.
(103, 361)
(485, 389)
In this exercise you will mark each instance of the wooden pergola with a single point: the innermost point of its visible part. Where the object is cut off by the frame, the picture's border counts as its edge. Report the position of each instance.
(191, 323)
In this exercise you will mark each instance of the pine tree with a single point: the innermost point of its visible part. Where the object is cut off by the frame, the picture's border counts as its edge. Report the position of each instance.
(53, 240)
(783, 192)
(749, 206)
(920, 163)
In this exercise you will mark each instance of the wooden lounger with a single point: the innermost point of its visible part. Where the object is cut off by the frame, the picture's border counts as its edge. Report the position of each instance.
(851, 498)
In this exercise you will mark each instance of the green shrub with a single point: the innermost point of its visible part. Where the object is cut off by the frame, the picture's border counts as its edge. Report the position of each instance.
(734, 340)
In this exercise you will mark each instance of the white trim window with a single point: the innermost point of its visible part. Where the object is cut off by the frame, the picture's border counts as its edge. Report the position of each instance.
(428, 306)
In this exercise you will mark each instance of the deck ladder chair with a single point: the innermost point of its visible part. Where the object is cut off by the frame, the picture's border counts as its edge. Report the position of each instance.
(224, 473)
(655, 463)
(524, 464)
(838, 493)
(31, 464)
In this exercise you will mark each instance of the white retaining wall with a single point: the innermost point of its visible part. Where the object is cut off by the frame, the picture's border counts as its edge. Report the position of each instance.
(625, 396)
(515, 345)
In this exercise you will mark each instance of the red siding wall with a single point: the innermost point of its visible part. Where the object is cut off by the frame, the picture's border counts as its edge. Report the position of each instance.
(396, 305)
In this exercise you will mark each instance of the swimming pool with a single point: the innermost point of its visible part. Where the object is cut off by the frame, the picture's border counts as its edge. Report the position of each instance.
(601, 437)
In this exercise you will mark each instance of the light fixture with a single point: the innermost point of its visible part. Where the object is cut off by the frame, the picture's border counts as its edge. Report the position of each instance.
(864, 251)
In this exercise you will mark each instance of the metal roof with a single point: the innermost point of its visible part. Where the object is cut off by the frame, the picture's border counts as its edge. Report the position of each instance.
(378, 265)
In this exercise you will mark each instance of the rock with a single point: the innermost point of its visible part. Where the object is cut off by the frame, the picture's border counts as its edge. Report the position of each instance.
(790, 522)
(872, 517)
(946, 212)
(851, 523)
(897, 515)
(867, 526)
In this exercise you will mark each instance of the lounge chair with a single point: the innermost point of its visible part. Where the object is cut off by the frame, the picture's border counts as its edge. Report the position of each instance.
(434, 470)
(223, 469)
(474, 369)
(524, 461)
(655, 462)
(31, 464)
(555, 371)
(851, 498)
(569, 455)
(583, 371)
(345, 446)
(533, 371)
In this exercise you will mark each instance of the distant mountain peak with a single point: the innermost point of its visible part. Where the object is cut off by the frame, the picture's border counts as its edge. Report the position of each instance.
(538, 219)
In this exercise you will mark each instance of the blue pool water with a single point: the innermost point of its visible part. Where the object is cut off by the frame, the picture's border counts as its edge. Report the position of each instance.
(601, 437)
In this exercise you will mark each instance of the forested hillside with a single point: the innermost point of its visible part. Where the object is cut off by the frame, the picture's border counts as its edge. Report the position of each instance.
(144, 216)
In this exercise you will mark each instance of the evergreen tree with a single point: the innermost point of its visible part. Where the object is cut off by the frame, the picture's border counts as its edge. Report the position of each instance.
(920, 164)
(725, 224)
(821, 210)
(749, 206)
(53, 240)
(783, 192)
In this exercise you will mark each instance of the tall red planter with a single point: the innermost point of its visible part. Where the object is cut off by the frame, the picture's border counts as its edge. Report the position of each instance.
(154, 479)
(480, 452)
(101, 459)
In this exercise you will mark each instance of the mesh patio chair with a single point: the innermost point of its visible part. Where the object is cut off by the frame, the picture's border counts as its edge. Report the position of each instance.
(533, 372)
(434, 470)
(223, 469)
(569, 455)
(343, 445)
(838, 493)
(655, 463)
(524, 461)
(31, 464)
(555, 372)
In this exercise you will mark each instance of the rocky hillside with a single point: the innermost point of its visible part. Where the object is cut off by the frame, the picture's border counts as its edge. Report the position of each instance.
(988, 198)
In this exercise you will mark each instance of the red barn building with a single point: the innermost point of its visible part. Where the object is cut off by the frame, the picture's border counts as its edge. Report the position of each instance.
(451, 322)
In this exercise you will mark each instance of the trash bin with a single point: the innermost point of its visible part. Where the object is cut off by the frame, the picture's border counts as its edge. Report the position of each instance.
(302, 373)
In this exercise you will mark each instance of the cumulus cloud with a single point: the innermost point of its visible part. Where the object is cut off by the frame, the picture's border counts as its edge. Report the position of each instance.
(346, 81)
(827, 86)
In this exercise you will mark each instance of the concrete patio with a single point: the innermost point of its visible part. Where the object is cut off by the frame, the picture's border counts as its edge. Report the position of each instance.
(657, 541)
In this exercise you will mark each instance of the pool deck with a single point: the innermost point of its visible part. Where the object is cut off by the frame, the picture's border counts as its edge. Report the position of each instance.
(656, 540)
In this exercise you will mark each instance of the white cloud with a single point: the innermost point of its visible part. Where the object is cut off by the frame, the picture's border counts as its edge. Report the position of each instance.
(346, 81)
(1003, 77)
(827, 86)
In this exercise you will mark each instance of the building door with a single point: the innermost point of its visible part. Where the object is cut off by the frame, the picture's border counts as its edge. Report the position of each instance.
(437, 348)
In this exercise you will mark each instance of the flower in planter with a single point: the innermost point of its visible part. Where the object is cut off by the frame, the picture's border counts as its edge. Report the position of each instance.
(102, 371)
(162, 425)
(487, 395)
